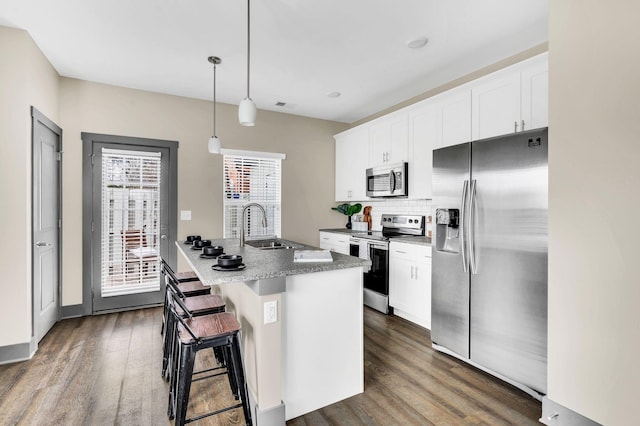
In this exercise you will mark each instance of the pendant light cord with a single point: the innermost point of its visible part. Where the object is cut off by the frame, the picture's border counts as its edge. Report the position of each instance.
(248, 43)
(214, 100)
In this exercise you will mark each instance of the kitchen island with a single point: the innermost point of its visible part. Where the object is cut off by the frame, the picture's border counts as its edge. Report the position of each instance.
(302, 330)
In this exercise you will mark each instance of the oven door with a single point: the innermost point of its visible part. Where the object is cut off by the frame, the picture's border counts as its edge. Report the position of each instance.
(377, 279)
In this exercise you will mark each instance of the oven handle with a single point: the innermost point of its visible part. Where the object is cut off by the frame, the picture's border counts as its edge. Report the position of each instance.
(381, 246)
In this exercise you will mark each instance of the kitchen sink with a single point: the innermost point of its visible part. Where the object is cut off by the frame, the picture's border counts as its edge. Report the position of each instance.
(271, 244)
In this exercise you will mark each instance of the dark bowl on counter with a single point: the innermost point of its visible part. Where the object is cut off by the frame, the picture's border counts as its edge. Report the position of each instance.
(212, 250)
(201, 243)
(191, 238)
(229, 261)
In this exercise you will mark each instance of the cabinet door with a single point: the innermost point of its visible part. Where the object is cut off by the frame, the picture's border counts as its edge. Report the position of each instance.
(400, 278)
(535, 96)
(455, 117)
(352, 150)
(388, 139)
(495, 105)
(423, 279)
(423, 136)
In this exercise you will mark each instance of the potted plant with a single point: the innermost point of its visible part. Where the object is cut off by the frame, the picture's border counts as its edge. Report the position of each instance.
(348, 210)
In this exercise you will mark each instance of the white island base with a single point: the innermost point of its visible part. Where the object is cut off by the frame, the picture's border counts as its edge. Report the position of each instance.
(312, 356)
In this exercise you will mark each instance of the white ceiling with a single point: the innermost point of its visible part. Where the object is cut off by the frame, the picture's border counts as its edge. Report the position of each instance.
(300, 50)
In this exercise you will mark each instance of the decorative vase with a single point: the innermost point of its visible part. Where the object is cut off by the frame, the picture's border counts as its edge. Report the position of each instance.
(349, 222)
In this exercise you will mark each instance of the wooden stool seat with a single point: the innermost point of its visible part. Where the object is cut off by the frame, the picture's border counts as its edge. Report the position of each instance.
(186, 276)
(202, 305)
(194, 288)
(209, 327)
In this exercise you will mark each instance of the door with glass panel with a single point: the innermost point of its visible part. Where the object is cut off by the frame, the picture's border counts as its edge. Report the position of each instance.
(131, 225)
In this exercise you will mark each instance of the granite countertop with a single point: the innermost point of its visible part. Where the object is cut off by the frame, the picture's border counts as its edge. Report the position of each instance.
(418, 240)
(261, 264)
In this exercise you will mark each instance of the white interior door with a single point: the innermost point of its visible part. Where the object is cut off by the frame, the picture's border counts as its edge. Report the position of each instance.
(46, 224)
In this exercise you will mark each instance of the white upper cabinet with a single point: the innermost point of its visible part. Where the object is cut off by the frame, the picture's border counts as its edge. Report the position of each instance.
(352, 154)
(388, 139)
(511, 100)
(496, 106)
(535, 96)
(455, 117)
(423, 139)
(434, 123)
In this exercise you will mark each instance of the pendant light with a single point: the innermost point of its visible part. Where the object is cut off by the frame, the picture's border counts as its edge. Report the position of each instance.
(214, 141)
(247, 109)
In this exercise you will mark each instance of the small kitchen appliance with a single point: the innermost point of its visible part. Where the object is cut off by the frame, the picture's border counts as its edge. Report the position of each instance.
(388, 181)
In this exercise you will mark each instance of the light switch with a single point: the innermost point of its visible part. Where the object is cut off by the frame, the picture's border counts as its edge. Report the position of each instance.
(185, 214)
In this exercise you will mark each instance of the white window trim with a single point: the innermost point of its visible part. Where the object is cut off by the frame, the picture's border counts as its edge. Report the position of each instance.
(270, 199)
(252, 154)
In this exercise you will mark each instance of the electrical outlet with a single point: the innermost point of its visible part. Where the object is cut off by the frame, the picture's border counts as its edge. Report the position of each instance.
(270, 312)
(185, 214)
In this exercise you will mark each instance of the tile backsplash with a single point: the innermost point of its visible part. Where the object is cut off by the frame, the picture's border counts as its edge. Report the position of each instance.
(397, 206)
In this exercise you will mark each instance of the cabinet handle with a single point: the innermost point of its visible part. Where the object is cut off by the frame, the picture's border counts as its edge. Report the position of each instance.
(522, 127)
(411, 271)
(416, 274)
(515, 127)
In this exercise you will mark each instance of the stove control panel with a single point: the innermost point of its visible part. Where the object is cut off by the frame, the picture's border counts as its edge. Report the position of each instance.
(402, 221)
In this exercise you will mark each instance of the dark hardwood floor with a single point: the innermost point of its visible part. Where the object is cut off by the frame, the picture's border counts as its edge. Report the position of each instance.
(105, 370)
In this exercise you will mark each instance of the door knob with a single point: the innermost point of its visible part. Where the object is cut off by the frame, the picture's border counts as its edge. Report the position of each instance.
(163, 237)
(42, 244)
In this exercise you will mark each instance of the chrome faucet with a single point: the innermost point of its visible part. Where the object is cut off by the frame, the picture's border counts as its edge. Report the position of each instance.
(264, 220)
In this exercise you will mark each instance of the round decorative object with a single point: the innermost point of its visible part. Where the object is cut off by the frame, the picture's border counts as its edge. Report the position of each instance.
(212, 250)
(240, 267)
(191, 238)
(229, 260)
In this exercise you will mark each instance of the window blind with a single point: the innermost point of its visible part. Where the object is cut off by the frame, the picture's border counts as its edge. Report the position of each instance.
(251, 179)
(130, 239)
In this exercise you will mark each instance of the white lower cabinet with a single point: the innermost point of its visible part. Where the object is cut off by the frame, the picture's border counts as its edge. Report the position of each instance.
(410, 282)
(334, 241)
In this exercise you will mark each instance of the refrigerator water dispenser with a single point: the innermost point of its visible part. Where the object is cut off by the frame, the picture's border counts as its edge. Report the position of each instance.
(448, 230)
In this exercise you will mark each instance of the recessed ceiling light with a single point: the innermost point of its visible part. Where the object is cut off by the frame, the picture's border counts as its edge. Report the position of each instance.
(334, 94)
(417, 42)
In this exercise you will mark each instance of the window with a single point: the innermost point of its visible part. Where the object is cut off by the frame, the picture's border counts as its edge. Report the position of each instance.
(130, 222)
(252, 177)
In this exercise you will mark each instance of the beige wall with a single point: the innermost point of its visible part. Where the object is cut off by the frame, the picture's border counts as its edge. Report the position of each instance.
(26, 79)
(307, 172)
(594, 167)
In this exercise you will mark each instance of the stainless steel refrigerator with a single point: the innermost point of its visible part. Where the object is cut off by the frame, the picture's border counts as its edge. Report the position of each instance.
(489, 272)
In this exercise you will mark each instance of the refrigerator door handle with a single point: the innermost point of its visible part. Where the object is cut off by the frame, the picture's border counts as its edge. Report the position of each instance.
(463, 218)
(472, 229)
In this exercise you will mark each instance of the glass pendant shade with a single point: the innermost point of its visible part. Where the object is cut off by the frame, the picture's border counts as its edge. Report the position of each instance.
(247, 112)
(214, 145)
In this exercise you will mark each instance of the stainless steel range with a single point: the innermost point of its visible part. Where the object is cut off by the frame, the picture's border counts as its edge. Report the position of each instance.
(374, 245)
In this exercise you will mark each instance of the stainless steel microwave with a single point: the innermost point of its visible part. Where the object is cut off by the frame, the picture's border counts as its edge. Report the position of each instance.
(388, 181)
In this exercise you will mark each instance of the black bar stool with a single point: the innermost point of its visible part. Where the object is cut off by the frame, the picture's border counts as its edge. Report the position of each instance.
(187, 282)
(219, 331)
(195, 306)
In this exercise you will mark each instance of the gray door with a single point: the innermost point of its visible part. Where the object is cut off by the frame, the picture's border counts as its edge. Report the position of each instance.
(132, 220)
(509, 232)
(46, 223)
(450, 276)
